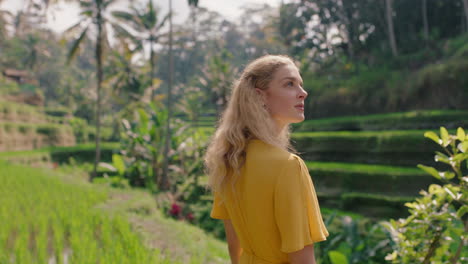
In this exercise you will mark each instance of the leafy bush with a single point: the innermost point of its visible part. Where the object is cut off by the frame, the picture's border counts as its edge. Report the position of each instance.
(79, 127)
(58, 111)
(435, 232)
(353, 240)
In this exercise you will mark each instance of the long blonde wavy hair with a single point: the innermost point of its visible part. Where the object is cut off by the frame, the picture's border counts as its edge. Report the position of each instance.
(244, 118)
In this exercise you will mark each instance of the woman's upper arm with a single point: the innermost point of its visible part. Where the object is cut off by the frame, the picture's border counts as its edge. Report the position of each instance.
(231, 235)
(303, 256)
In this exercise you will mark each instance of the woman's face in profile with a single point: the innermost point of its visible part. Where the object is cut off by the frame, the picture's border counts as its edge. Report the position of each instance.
(284, 97)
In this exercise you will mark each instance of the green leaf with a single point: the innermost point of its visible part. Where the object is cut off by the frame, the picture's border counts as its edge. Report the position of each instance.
(460, 157)
(455, 197)
(447, 175)
(445, 136)
(143, 121)
(463, 147)
(76, 44)
(461, 134)
(462, 211)
(441, 157)
(430, 170)
(433, 136)
(337, 257)
(118, 163)
(435, 188)
(106, 166)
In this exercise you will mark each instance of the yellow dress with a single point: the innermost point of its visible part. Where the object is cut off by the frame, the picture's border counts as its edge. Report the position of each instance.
(272, 206)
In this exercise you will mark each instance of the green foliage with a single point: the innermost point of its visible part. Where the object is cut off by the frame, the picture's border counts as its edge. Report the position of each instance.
(393, 147)
(141, 156)
(372, 190)
(57, 111)
(7, 86)
(435, 232)
(422, 119)
(80, 129)
(352, 240)
(142, 143)
(337, 257)
(82, 153)
(217, 78)
(115, 182)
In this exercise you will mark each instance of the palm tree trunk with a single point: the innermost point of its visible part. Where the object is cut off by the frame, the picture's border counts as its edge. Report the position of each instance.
(465, 7)
(164, 178)
(391, 33)
(152, 59)
(154, 162)
(98, 90)
(425, 23)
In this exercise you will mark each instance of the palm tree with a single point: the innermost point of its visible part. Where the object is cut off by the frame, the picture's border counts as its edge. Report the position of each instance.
(146, 24)
(124, 75)
(93, 23)
(465, 7)
(164, 178)
(165, 174)
(391, 32)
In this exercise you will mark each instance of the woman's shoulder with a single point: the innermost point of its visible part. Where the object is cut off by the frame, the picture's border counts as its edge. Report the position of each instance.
(261, 151)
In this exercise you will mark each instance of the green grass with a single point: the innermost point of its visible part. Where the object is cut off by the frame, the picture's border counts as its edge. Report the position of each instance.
(372, 205)
(364, 134)
(46, 214)
(388, 121)
(45, 217)
(46, 150)
(363, 168)
(336, 177)
(183, 242)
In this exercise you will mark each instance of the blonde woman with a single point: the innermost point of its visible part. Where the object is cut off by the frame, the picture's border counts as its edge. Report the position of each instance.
(262, 191)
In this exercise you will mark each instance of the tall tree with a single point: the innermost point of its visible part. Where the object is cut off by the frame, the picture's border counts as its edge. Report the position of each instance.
(165, 178)
(146, 28)
(93, 22)
(165, 174)
(465, 7)
(425, 23)
(391, 32)
(193, 4)
(124, 75)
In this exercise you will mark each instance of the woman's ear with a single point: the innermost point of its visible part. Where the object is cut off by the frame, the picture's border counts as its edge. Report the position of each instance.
(262, 95)
(260, 92)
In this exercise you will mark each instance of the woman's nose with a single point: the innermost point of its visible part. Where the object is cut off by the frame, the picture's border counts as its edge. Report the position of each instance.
(303, 93)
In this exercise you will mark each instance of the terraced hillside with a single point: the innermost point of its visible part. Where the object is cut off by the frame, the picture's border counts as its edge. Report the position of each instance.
(25, 127)
(372, 169)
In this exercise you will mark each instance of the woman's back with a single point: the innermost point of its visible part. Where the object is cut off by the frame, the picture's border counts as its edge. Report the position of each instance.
(272, 206)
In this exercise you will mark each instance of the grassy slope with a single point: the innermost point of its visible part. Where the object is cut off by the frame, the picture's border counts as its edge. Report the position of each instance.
(178, 242)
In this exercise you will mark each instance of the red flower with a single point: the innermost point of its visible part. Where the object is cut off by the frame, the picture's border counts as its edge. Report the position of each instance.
(175, 209)
(190, 217)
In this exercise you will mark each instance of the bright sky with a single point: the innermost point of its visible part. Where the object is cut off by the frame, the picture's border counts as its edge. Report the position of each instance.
(63, 15)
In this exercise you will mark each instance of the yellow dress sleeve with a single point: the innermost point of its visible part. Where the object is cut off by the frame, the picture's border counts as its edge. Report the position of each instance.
(297, 211)
(219, 210)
